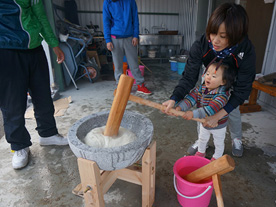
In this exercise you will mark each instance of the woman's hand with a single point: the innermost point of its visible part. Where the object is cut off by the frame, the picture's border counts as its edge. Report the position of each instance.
(212, 121)
(168, 105)
(109, 46)
(59, 53)
(188, 115)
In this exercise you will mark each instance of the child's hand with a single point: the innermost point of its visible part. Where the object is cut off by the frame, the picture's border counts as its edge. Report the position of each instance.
(188, 115)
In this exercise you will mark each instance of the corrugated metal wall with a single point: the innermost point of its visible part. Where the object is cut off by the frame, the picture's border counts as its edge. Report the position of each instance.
(94, 18)
(154, 15)
(269, 65)
(147, 21)
(153, 22)
(187, 22)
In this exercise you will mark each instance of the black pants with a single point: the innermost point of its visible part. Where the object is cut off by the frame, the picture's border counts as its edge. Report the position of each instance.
(22, 71)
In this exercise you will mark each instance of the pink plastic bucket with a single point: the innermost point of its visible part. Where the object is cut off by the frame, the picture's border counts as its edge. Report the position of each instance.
(142, 69)
(191, 194)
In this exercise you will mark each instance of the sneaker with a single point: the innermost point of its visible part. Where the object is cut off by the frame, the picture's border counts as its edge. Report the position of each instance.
(53, 140)
(143, 89)
(193, 148)
(213, 159)
(199, 154)
(20, 158)
(237, 148)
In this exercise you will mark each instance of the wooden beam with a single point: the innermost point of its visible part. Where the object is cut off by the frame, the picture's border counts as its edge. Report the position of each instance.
(129, 175)
(148, 175)
(90, 181)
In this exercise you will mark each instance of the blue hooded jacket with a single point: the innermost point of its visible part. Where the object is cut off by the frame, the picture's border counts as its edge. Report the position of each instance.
(120, 18)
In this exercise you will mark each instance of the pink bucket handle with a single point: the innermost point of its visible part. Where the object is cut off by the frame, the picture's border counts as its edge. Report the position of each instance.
(188, 197)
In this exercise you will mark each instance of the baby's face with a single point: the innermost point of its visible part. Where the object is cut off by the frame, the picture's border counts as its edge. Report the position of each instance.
(213, 78)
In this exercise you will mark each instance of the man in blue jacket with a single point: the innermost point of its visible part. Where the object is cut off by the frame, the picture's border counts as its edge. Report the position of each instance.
(121, 33)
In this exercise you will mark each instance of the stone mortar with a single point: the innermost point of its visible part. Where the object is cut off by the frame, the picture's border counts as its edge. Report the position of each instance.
(116, 157)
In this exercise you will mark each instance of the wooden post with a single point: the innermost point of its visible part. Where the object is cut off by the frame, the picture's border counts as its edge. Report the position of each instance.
(118, 106)
(148, 175)
(90, 181)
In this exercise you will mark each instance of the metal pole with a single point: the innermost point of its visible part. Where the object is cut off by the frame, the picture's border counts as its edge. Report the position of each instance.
(70, 75)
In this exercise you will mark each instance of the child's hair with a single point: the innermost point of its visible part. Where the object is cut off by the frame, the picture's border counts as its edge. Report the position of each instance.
(228, 74)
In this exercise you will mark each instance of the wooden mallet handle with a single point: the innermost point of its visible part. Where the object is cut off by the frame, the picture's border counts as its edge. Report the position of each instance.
(118, 106)
(152, 104)
(218, 190)
(220, 166)
(142, 101)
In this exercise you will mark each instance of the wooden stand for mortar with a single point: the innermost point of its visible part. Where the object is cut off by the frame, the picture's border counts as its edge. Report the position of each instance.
(95, 182)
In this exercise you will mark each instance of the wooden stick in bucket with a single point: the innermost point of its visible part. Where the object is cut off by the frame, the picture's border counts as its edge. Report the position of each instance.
(220, 166)
(118, 105)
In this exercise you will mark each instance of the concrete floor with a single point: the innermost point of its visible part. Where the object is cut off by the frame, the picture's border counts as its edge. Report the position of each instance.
(52, 172)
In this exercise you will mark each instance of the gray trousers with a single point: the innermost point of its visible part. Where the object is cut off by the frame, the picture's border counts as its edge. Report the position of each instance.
(123, 47)
(235, 124)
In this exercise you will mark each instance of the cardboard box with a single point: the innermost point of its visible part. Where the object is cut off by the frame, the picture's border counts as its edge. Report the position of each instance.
(94, 54)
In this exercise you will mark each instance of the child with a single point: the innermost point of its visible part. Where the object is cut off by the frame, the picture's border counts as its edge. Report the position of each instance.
(209, 98)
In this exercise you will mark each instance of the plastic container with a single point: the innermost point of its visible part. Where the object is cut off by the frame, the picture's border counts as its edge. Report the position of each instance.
(125, 59)
(191, 194)
(180, 67)
(152, 53)
(173, 65)
(125, 67)
(142, 69)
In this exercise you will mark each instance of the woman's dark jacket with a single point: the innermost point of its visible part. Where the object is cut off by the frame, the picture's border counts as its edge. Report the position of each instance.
(243, 61)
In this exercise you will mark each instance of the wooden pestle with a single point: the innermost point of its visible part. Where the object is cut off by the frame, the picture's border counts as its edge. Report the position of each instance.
(118, 106)
(220, 166)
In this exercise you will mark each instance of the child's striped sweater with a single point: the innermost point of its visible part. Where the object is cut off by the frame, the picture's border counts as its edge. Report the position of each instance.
(208, 103)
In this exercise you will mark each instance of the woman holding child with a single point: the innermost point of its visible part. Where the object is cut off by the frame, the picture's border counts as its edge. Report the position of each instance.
(225, 41)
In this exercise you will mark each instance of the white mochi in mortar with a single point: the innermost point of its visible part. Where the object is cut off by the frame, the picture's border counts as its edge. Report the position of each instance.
(95, 138)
